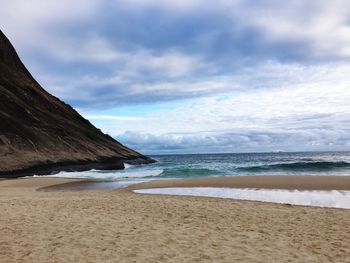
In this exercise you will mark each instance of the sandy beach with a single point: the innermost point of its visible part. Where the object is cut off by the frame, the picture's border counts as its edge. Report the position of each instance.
(121, 226)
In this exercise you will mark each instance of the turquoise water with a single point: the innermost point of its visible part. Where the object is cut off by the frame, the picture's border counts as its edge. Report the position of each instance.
(206, 165)
(247, 164)
(184, 166)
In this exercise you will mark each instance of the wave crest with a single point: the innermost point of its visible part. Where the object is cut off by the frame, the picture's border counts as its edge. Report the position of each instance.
(298, 166)
(109, 175)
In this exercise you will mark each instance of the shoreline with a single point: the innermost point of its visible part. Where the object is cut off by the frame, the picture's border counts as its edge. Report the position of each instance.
(287, 182)
(327, 183)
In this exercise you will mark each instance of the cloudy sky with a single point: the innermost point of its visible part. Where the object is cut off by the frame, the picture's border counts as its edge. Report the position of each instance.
(191, 76)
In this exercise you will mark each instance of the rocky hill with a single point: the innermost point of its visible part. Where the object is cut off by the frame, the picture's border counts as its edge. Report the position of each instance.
(39, 134)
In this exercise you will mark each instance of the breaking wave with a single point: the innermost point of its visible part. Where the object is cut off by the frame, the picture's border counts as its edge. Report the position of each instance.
(297, 166)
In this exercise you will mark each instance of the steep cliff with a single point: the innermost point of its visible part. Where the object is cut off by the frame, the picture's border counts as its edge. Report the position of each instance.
(40, 134)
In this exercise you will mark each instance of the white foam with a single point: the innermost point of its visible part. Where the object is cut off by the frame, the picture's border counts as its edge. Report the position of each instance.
(108, 175)
(336, 199)
(127, 166)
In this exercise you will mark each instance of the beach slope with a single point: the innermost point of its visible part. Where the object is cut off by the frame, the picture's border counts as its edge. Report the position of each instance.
(120, 226)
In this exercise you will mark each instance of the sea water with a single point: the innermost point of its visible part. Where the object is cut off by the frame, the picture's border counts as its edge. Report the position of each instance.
(235, 164)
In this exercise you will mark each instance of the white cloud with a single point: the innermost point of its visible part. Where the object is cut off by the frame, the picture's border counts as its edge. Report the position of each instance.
(322, 25)
(234, 92)
(318, 114)
(96, 49)
(93, 49)
(247, 140)
(311, 115)
(176, 5)
(112, 118)
(31, 23)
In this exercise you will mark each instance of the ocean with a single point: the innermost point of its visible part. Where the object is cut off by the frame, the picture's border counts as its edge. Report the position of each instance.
(235, 164)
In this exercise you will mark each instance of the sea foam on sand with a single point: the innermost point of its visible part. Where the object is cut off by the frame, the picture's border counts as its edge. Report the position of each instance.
(335, 199)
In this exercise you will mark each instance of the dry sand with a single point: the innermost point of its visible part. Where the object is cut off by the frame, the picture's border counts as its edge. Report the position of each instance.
(120, 226)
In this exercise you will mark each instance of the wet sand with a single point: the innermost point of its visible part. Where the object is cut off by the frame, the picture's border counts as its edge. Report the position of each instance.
(265, 182)
(120, 226)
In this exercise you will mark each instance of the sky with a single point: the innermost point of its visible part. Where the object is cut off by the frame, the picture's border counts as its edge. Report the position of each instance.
(194, 76)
